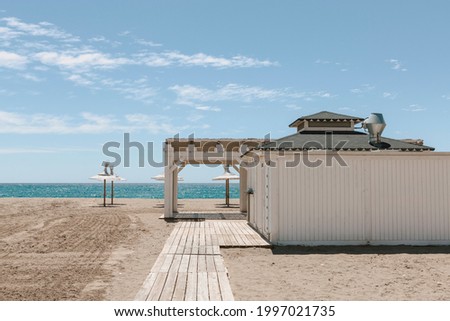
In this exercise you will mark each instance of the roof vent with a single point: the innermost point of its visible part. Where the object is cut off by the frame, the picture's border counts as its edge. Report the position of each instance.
(375, 125)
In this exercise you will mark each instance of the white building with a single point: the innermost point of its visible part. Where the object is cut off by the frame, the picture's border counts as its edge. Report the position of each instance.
(328, 184)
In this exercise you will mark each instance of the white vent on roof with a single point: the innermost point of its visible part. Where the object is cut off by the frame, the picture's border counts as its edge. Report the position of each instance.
(375, 124)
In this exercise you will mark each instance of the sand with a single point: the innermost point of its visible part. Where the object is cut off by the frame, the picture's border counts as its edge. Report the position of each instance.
(74, 249)
(340, 273)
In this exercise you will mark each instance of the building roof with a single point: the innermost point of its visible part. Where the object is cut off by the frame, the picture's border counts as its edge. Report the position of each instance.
(338, 140)
(326, 116)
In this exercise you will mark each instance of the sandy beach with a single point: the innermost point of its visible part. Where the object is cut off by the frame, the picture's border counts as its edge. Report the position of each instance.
(74, 249)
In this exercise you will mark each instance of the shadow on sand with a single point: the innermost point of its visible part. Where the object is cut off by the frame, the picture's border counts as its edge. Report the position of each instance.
(356, 250)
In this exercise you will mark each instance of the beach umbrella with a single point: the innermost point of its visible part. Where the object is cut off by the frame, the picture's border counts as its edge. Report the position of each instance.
(161, 177)
(226, 176)
(107, 177)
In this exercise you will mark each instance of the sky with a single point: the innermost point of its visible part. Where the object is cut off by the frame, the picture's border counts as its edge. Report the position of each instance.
(75, 75)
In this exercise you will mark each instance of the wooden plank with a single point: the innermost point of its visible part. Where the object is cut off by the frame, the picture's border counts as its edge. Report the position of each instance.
(157, 288)
(210, 265)
(175, 263)
(158, 263)
(191, 287)
(201, 267)
(183, 241)
(225, 288)
(167, 263)
(184, 264)
(179, 233)
(231, 234)
(213, 286)
(146, 287)
(219, 264)
(193, 264)
(189, 241)
(202, 286)
(169, 287)
(196, 240)
(180, 287)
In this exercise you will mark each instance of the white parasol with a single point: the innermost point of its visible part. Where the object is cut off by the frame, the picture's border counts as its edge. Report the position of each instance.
(226, 176)
(161, 177)
(107, 177)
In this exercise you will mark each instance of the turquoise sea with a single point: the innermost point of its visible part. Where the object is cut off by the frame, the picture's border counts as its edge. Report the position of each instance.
(121, 190)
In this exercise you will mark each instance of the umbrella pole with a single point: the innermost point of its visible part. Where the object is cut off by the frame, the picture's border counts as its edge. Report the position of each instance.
(227, 192)
(112, 193)
(104, 192)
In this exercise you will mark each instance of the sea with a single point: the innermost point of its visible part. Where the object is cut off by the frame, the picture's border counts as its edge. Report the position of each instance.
(121, 190)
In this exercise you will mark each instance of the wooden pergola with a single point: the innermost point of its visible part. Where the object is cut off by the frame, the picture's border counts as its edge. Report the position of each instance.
(189, 151)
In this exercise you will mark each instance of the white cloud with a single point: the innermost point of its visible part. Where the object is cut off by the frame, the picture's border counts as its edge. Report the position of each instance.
(347, 109)
(365, 88)
(79, 80)
(4, 92)
(86, 123)
(31, 77)
(193, 95)
(175, 58)
(152, 124)
(294, 106)
(147, 43)
(80, 61)
(44, 150)
(138, 90)
(208, 108)
(187, 94)
(446, 97)
(396, 65)
(8, 33)
(43, 29)
(12, 60)
(102, 39)
(414, 108)
(389, 95)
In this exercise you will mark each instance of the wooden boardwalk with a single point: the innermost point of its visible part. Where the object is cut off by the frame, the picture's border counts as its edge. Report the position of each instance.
(190, 266)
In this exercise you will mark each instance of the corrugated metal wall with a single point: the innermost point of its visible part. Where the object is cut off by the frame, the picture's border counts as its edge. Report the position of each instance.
(396, 198)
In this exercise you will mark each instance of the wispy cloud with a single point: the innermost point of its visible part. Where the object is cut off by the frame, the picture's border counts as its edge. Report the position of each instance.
(147, 43)
(193, 95)
(31, 77)
(414, 108)
(12, 60)
(294, 106)
(208, 108)
(79, 80)
(102, 39)
(43, 48)
(175, 58)
(363, 89)
(44, 150)
(447, 97)
(86, 123)
(389, 95)
(340, 65)
(80, 61)
(41, 29)
(396, 65)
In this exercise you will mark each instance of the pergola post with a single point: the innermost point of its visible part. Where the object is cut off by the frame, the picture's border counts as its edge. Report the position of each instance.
(243, 189)
(175, 190)
(168, 181)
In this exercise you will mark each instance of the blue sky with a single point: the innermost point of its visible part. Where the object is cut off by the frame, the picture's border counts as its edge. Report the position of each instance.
(77, 74)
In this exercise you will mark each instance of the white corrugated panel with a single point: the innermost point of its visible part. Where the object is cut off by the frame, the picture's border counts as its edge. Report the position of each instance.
(395, 198)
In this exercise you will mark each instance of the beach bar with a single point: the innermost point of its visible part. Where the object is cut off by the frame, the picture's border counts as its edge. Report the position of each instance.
(331, 183)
